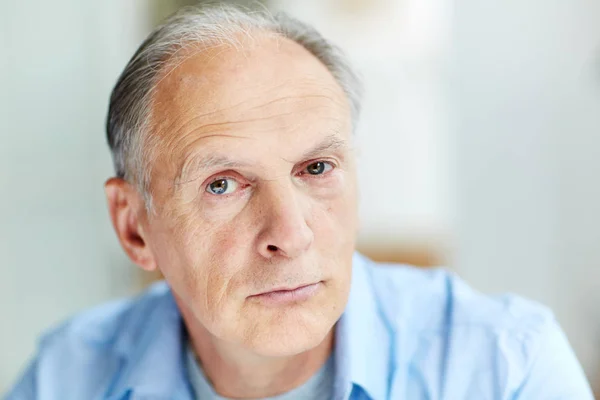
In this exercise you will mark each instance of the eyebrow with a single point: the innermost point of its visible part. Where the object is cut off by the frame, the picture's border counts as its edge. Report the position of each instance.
(205, 162)
(332, 143)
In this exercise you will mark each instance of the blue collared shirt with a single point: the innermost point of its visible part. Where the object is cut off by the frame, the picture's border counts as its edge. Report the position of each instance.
(406, 333)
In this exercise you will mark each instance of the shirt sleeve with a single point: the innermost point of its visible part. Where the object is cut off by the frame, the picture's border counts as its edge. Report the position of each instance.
(25, 388)
(555, 373)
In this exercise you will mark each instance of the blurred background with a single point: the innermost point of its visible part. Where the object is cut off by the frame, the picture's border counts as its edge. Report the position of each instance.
(479, 149)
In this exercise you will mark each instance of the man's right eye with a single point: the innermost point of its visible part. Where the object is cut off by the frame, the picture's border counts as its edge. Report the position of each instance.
(222, 186)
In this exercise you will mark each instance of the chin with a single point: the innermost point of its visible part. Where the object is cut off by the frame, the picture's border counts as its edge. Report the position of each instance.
(288, 334)
(274, 344)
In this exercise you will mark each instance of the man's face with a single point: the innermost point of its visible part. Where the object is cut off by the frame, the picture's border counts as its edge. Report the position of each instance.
(254, 187)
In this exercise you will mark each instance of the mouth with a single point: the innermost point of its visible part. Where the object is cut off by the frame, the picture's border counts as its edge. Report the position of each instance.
(286, 295)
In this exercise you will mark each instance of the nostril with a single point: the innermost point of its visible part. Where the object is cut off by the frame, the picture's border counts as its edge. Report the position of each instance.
(271, 248)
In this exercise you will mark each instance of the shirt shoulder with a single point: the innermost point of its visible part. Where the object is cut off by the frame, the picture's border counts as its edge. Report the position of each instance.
(108, 324)
(82, 356)
(428, 299)
(451, 341)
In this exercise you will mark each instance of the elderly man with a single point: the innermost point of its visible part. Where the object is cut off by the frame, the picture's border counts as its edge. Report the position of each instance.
(232, 138)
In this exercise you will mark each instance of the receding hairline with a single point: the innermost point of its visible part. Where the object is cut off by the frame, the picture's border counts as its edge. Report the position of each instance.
(221, 54)
(191, 48)
(217, 52)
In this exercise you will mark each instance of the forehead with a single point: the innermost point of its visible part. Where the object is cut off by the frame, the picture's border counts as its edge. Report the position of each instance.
(266, 85)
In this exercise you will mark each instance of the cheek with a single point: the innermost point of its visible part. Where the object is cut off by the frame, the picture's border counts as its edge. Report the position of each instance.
(198, 259)
(341, 206)
(335, 219)
(218, 256)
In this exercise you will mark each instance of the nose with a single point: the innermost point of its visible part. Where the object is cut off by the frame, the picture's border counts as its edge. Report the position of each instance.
(285, 231)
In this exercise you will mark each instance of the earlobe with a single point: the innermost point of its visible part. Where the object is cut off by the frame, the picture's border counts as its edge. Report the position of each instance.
(126, 208)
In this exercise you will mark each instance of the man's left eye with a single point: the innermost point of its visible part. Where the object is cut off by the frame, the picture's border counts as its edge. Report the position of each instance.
(319, 168)
(222, 186)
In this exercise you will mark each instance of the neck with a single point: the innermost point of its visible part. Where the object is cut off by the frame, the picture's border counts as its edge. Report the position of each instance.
(235, 372)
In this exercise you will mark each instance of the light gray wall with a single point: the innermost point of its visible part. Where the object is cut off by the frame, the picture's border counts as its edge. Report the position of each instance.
(527, 144)
(58, 254)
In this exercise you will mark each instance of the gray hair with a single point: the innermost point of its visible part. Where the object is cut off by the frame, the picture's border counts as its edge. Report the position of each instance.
(203, 25)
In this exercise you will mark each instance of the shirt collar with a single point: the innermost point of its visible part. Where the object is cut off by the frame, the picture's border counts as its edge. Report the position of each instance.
(152, 351)
(363, 340)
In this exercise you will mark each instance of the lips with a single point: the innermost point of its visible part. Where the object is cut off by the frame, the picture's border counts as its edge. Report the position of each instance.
(284, 289)
(286, 295)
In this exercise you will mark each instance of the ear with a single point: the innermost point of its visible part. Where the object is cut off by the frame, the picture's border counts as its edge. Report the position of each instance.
(128, 212)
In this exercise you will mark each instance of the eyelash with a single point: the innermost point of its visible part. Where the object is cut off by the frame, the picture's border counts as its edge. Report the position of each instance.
(320, 176)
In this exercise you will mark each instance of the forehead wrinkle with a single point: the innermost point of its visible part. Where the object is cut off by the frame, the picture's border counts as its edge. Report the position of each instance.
(334, 94)
(190, 121)
(173, 139)
(173, 131)
(211, 128)
(206, 131)
(331, 143)
(296, 97)
(308, 87)
(209, 161)
(175, 126)
(194, 161)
